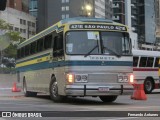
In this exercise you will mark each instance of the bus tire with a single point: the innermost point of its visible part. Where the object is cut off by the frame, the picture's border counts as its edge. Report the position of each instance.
(28, 93)
(108, 99)
(148, 86)
(53, 89)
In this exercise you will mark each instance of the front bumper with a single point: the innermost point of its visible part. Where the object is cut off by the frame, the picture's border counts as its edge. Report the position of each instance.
(93, 90)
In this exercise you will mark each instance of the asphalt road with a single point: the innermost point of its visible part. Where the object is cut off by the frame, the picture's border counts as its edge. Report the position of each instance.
(12, 101)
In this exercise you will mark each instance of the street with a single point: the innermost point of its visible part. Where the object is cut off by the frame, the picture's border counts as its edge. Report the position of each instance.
(15, 101)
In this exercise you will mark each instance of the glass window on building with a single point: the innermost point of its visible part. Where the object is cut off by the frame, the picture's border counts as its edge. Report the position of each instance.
(67, 8)
(11, 27)
(24, 30)
(63, 8)
(30, 32)
(63, 1)
(33, 4)
(67, 15)
(63, 16)
(16, 29)
(29, 23)
(33, 24)
(67, 1)
(21, 30)
(21, 21)
(24, 22)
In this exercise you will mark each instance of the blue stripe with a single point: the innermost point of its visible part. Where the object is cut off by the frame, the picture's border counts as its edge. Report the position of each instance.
(46, 65)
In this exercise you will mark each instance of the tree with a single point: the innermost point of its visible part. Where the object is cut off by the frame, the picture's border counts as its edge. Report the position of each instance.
(10, 52)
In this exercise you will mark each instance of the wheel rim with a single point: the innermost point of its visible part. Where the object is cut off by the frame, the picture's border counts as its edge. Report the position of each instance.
(148, 85)
(54, 89)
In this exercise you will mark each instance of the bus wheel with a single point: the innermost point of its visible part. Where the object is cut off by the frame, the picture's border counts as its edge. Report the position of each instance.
(108, 99)
(148, 86)
(28, 93)
(54, 91)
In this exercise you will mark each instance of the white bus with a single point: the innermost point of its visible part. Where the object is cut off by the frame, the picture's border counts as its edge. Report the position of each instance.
(145, 69)
(77, 57)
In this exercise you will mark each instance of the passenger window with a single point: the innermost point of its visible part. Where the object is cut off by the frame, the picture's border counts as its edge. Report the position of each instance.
(48, 42)
(143, 62)
(156, 62)
(27, 49)
(33, 47)
(22, 52)
(19, 53)
(150, 62)
(135, 61)
(58, 45)
(39, 45)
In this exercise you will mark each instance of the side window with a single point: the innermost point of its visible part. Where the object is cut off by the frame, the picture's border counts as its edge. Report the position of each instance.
(150, 62)
(33, 48)
(19, 53)
(48, 42)
(156, 62)
(27, 50)
(22, 52)
(135, 61)
(143, 61)
(58, 44)
(40, 45)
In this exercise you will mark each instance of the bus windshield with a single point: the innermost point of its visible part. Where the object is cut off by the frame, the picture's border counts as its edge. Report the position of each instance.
(97, 42)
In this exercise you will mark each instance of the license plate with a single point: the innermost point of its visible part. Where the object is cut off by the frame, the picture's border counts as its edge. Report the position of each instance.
(103, 89)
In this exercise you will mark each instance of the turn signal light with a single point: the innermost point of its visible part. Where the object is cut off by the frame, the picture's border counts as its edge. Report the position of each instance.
(70, 78)
(131, 78)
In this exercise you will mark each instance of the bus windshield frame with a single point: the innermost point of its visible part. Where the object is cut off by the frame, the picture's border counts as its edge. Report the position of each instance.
(98, 43)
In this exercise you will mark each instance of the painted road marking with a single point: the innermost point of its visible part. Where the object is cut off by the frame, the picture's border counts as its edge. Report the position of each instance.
(5, 88)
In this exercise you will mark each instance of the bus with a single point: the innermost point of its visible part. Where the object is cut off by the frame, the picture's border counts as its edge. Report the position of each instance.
(77, 57)
(145, 69)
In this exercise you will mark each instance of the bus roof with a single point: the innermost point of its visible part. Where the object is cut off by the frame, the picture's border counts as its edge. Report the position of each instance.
(146, 53)
(58, 26)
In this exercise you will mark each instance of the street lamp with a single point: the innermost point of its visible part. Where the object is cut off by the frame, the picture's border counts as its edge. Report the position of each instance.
(88, 7)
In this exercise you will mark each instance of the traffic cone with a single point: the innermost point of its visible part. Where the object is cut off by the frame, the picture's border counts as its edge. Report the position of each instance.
(139, 93)
(15, 89)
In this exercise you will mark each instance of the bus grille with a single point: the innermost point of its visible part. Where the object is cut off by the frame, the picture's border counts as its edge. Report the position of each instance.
(102, 78)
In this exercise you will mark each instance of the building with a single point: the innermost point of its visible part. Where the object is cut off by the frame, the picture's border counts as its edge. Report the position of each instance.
(119, 11)
(20, 5)
(51, 11)
(33, 7)
(157, 10)
(108, 9)
(139, 15)
(17, 15)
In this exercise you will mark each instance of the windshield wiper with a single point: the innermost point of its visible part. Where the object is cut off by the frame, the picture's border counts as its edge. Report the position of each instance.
(90, 51)
(112, 51)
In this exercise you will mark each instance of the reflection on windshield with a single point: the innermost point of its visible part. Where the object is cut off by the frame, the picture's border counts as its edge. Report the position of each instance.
(111, 43)
(82, 42)
(115, 41)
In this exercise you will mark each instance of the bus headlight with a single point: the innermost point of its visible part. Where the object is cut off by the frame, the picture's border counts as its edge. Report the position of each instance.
(131, 78)
(70, 78)
(81, 78)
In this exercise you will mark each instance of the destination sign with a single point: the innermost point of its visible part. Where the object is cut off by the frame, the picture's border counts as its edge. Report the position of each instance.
(98, 26)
